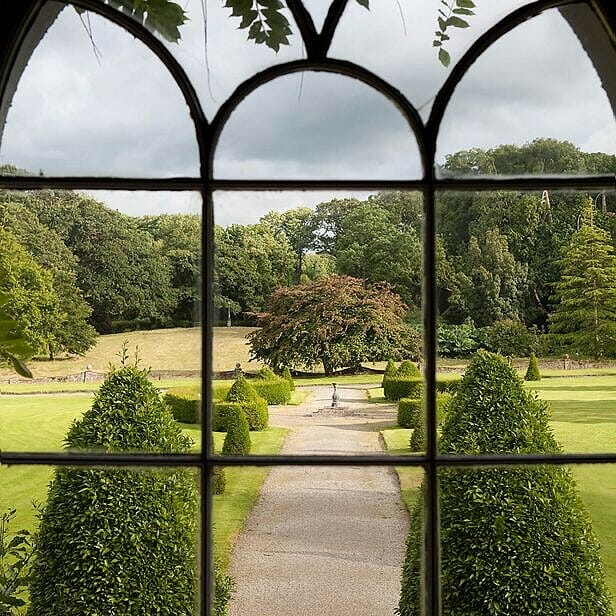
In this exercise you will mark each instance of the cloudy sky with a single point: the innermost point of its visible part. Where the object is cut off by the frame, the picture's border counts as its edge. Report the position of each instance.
(118, 112)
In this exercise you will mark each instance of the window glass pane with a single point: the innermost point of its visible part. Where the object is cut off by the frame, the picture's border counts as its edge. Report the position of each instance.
(92, 280)
(528, 539)
(551, 94)
(93, 100)
(395, 41)
(317, 125)
(318, 539)
(324, 288)
(530, 273)
(114, 540)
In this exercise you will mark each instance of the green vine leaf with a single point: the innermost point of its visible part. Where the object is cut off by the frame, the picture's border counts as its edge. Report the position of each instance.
(450, 18)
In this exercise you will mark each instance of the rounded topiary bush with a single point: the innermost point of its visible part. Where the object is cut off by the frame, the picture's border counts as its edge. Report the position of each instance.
(390, 370)
(407, 408)
(266, 374)
(417, 441)
(532, 373)
(286, 375)
(515, 540)
(408, 368)
(253, 404)
(117, 540)
(237, 439)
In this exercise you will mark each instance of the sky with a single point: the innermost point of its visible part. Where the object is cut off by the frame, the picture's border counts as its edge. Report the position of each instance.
(110, 108)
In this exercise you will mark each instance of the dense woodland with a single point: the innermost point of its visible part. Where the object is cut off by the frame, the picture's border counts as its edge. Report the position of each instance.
(74, 267)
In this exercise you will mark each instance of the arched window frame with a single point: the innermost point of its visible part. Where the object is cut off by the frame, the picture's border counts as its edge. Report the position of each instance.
(22, 25)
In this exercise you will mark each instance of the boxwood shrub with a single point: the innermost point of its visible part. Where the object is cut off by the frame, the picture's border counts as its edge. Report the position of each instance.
(185, 404)
(119, 540)
(406, 411)
(221, 411)
(448, 385)
(237, 439)
(390, 370)
(255, 407)
(515, 540)
(398, 387)
(417, 441)
(275, 391)
(286, 374)
(532, 373)
(408, 368)
(223, 591)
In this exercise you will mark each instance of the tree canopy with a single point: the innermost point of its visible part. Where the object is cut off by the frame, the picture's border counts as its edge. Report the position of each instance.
(335, 321)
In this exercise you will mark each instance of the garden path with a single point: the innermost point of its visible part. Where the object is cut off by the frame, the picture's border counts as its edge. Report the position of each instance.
(324, 540)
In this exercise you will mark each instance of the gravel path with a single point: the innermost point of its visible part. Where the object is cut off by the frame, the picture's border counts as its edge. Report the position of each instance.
(327, 541)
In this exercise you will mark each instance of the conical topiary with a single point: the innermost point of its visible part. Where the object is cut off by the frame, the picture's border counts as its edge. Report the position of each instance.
(237, 439)
(514, 540)
(408, 368)
(390, 370)
(286, 374)
(254, 405)
(532, 373)
(119, 540)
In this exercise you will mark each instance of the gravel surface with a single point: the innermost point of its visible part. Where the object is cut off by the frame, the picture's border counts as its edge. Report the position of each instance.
(327, 541)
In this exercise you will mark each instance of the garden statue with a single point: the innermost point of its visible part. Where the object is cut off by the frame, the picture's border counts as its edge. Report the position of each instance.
(237, 371)
(335, 396)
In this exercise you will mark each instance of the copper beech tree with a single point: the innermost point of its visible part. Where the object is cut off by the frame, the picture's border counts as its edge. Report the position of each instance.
(338, 321)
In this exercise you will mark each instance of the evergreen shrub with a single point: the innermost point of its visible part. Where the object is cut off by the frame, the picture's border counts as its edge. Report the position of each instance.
(390, 370)
(275, 391)
(417, 441)
(219, 477)
(220, 391)
(398, 387)
(221, 411)
(286, 374)
(532, 373)
(515, 540)
(237, 439)
(185, 404)
(119, 540)
(266, 374)
(448, 385)
(223, 591)
(255, 407)
(408, 368)
(407, 410)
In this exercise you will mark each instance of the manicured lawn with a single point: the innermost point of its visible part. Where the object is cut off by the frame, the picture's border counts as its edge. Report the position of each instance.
(50, 388)
(583, 420)
(243, 486)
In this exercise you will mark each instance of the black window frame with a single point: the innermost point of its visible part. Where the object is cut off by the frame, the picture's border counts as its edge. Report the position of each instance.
(207, 133)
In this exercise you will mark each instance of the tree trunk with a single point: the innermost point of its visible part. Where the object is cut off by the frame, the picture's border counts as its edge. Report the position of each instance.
(328, 367)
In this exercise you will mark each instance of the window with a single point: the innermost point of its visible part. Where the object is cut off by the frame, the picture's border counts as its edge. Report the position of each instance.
(410, 166)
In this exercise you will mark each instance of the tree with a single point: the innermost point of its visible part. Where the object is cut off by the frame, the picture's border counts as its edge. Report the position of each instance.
(250, 262)
(298, 226)
(585, 316)
(31, 300)
(119, 540)
(514, 540)
(120, 268)
(336, 321)
(491, 283)
(73, 333)
(179, 241)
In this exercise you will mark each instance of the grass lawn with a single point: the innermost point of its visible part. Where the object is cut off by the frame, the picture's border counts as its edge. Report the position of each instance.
(584, 420)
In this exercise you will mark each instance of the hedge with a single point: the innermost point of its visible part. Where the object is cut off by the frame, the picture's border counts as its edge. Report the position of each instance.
(448, 385)
(119, 540)
(514, 540)
(237, 439)
(221, 411)
(185, 404)
(276, 391)
(403, 387)
(390, 370)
